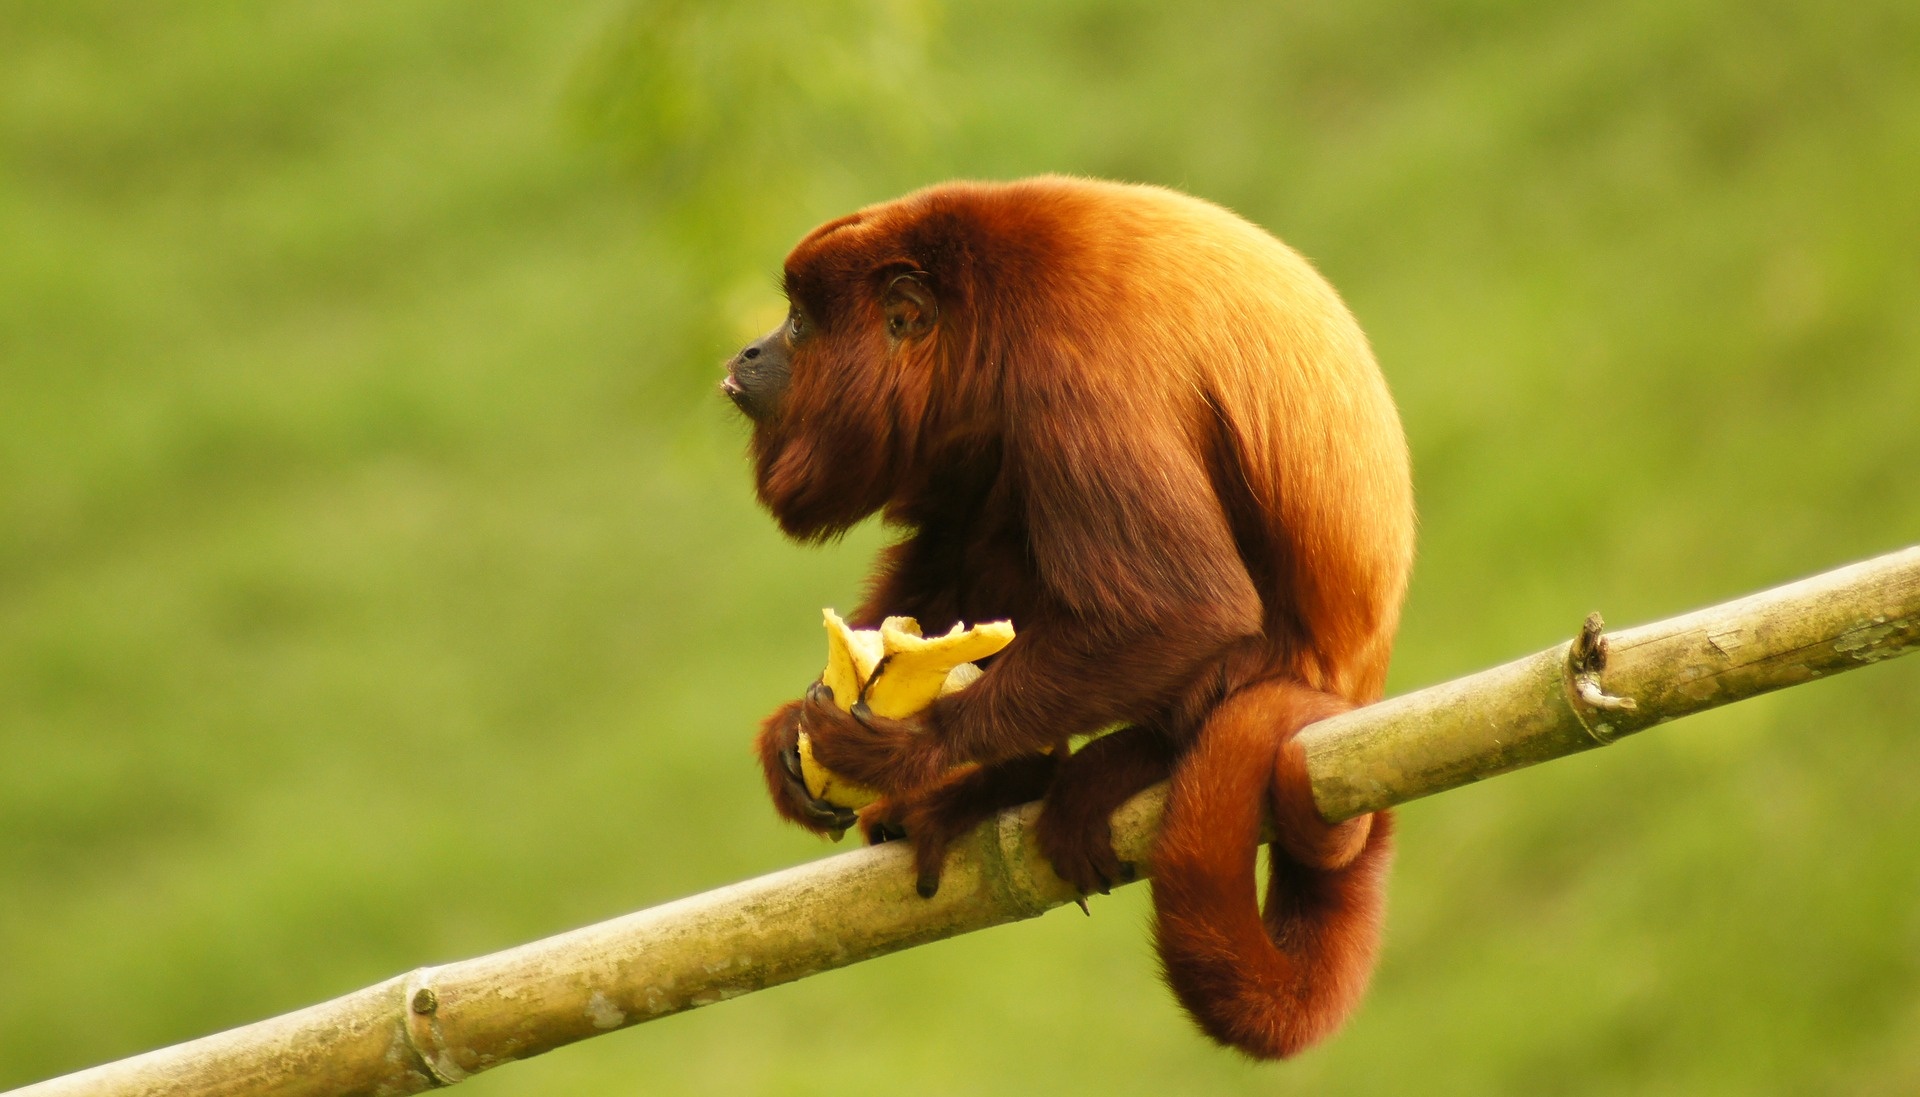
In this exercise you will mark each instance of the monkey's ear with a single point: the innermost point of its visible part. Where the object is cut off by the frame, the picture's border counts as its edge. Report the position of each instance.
(910, 306)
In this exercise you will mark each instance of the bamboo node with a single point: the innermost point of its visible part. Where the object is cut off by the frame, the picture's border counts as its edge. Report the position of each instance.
(423, 1030)
(1586, 658)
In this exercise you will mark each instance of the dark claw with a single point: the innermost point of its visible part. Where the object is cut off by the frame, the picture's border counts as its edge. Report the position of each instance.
(830, 817)
(1129, 872)
(820, 694)
(824, 815)
(862, 713)
(790, 758)
(928, 884)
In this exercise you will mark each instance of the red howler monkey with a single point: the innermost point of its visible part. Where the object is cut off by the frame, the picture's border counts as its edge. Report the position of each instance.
(1153, 437)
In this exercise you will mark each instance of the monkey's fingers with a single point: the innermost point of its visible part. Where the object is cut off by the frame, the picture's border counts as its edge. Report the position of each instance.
(928, 864)
(885, 725)
(889, 755)
(818, 712)
(929, 857)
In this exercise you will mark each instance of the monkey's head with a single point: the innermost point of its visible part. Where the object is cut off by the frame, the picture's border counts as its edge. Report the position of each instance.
(851, 396)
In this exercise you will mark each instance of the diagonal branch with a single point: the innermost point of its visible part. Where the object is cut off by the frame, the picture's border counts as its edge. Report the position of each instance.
(435, 1026)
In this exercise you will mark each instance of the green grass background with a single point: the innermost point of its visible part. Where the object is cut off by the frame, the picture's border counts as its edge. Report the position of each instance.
(380, 582)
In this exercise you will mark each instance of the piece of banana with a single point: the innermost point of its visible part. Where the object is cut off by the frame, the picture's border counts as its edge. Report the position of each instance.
(898, 672)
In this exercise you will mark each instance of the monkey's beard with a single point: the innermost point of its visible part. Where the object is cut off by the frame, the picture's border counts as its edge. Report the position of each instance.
(818, 492)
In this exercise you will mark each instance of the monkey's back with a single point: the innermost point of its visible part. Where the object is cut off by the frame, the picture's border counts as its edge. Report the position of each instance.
(1250, 343)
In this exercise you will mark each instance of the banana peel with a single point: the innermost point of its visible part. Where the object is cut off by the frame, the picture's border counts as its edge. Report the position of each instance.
(898, 672)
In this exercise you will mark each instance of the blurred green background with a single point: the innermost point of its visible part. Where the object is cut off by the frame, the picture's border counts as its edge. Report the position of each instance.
(380, 582)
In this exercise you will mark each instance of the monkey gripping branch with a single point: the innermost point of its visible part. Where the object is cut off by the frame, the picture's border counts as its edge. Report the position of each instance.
(438, 1025)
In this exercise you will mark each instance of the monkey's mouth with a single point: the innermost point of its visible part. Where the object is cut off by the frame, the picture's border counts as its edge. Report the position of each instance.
(731, 388)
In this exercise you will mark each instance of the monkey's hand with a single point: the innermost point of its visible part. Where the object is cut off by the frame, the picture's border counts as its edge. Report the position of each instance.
(779, 749)
(895, 756)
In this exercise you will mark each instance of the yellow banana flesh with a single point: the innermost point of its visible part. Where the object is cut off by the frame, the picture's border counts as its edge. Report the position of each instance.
(898, 672)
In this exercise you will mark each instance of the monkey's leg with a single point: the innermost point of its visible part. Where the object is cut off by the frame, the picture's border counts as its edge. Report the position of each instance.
(1075, 831)
(934, 817)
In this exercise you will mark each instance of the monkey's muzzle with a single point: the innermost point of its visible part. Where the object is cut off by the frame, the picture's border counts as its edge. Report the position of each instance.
(758, 375)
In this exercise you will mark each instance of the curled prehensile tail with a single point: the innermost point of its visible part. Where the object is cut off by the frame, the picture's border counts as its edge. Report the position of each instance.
(1268, 984)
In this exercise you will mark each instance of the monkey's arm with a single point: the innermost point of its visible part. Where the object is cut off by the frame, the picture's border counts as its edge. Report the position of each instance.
(1137, 585)
(1051, 682)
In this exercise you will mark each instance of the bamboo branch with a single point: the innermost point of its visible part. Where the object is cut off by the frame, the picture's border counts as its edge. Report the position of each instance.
(1532, 710)
(438, 1025)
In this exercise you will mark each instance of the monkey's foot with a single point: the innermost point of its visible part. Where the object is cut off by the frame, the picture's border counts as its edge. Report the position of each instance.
(1079, 846)
(1075, 831)
(935, 818)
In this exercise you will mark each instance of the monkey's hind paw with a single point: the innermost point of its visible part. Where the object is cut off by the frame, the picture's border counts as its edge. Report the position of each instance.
(1081, 853)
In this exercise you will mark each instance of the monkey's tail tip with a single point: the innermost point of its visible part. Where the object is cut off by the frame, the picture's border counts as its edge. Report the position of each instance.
(1274, 985)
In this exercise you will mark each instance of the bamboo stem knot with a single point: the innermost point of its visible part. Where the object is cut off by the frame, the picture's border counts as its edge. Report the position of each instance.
(423, 1029)
(1586, 659)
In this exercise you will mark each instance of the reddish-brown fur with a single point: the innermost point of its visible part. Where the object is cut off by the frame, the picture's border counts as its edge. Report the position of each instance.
(1154, 438)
